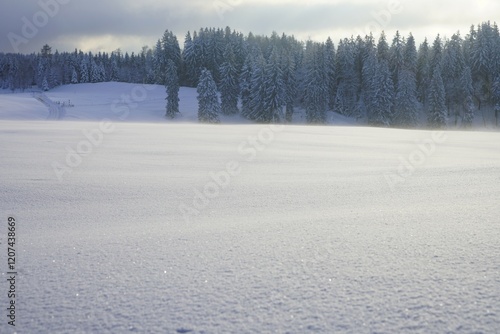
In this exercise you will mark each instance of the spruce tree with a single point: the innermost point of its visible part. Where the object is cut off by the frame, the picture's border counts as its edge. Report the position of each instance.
(406, 104)
(274, 96)
(172, 86)
(330, 72)
(436, 101)
(381, 114)
(84, 70)
(208, 99)
(257, 90)
(228, 86)
(316, 85)
(290, 81)
(74, 77)
(466, 93)
(45, 84)
(245, 80)
(423, 72)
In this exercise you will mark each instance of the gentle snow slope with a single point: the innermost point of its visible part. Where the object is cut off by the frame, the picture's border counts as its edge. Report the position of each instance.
(308, 238)
(120, 102)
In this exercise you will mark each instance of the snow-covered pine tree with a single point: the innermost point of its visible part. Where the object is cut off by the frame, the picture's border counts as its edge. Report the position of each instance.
(188, 56)
(346, 97)
(74, 77)
(453, 69)
(436, 55)
(406, 105)
(290, 81)
(245, 81)
(84, 70)
(208, 98)
(171, 50)
(381, 114)
(274, 96)
(257, 89)
(330, 72)
(228, 86)
(383, 48)
(316, 84)
(370, 84)
(410, 56)
(45, 84)
(436, 101)
(423, 72)
(396, 57)
(94, 72)
(466, 93)
(172, 86)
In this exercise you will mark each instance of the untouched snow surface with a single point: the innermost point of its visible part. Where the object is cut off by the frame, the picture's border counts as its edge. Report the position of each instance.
(314, 230)
(119, 102)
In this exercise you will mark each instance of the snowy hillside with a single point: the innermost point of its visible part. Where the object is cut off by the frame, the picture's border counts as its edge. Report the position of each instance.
(186, 228)
(119, 102)
(124, 102)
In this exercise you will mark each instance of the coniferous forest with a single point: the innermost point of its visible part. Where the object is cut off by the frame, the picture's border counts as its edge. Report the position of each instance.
(389, 81)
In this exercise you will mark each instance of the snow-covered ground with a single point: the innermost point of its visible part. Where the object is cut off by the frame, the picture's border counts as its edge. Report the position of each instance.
(177, 228)
(119, 102)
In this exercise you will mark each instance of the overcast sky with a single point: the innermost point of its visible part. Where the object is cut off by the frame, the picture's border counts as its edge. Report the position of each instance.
(105, 25)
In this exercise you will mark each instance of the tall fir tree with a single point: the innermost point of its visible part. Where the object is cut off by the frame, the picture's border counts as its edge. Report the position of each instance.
(467, 93)
(172, 87)
(257, 90)
(290, 81)
(316, 85)
(423, 72)
(274, 95)
(228, 86)
(330, 72)
(245, 81)
(74, 77)
(436, 101)
(208, 98)
(406, 105)
(381, 114)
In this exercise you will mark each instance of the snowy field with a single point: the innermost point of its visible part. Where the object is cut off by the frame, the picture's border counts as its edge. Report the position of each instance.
(184, 228)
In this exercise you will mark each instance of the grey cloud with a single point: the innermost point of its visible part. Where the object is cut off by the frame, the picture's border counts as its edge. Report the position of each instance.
(149, 18)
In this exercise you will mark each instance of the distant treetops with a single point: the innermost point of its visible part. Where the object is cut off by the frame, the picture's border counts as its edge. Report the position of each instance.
(266, 78)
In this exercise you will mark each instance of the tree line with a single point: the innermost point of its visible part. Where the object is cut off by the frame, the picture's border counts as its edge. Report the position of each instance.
(265, 78)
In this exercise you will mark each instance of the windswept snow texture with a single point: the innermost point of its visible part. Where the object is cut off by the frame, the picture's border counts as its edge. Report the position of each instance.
(308, 236)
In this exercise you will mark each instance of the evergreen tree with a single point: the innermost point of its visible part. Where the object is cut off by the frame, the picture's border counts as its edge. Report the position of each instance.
(74, 77)
(330, 72)
(274, 95)
(229, 88)
(347, 88)
(436, 54)
(290, 81)
(423, 72)
(208, 99)
(94, 72)
(396, 56)
(316, 85)
(45, 84)
(84, 71)
(381, 114)
(257, 90)
(436, 101)
(406, 103)
(383, 48)
(410, 57)
(466, 93)
(370, 84)
(245, 80)
(172, 86)
(453, 70)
